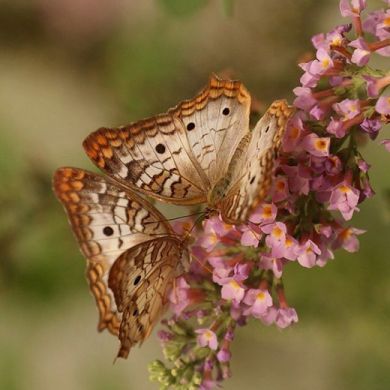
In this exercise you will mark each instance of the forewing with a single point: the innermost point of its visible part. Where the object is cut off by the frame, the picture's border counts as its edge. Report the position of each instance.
(252, 177)
(140, 280)
(150, 156)
(177, 156)
(106, 221)
(215, 121)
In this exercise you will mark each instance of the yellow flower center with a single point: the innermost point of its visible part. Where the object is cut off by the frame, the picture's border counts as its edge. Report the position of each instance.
(267, 212)
(354, 107)
(344, 189)
(260, 296)
(289, 242)
(325, 62)
(321, 144)
(346, 233)
(294, 132)
(386, 22)
(337, 41)
(234, 285)
(280, 185)
(277, 232)
(208, 335)
(226, 227)
(213, 238)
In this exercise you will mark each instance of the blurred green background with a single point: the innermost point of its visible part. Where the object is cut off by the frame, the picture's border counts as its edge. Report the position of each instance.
(68, 67)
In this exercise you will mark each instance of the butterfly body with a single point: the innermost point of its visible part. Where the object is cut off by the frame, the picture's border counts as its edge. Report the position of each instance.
(219, 191)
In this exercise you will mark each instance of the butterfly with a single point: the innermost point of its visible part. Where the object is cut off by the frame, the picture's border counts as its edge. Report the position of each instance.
(133, 254)
(201, 151)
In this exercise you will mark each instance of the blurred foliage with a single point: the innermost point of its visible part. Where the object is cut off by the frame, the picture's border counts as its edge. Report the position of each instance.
(68, 67)
(32, 263)
(146, 64)
(229, 7)
(182, 8)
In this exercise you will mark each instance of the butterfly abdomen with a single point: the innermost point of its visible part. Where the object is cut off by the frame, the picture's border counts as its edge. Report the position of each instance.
(238, 154)
(219, 191)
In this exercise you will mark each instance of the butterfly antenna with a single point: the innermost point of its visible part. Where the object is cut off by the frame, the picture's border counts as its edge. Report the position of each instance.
(174, 219)
(202, 214)
(203, 265)
(186, 235)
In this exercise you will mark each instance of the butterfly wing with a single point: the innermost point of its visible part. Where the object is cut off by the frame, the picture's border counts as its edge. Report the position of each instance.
(253, 173)
(109, 318)
(106, 221)
(178, 156)
(215, 121)
(140, 280)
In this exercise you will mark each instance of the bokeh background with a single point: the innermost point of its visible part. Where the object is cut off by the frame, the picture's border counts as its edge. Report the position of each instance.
(68, 67)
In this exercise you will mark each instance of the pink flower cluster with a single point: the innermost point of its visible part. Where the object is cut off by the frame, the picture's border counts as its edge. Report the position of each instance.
(320, 180)
(242, 267)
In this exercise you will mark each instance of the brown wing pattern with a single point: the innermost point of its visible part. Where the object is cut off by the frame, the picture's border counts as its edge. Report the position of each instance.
(149, 156)
(106, 221)
(215, 120)
(109, 318)
(173, 156)
(253, 175)
(140, 280)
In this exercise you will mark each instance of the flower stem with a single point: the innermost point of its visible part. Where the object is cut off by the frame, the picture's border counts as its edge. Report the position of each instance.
(379, 44)
(357, 25)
